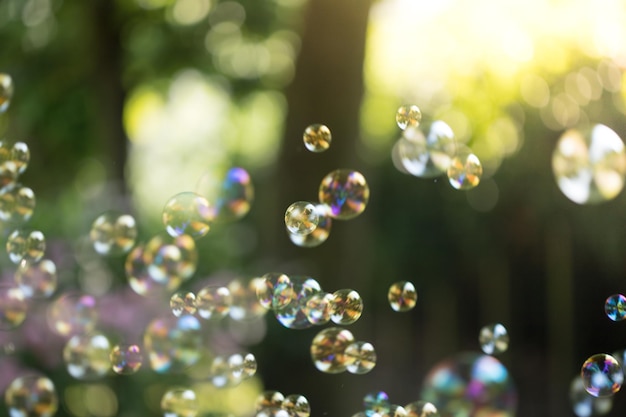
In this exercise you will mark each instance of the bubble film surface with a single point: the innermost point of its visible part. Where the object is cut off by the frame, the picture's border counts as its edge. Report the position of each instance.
(173, 344)
(179, 402)
(402, 296)
(73, 313)
(37, 279)
(183, 303)
(317, 138)
(13, 307)
(301, 218)
(270, 400)
(17, 204)
(376, 402)
(615, 307)
(86, 356)
(31, 396)
(113, 233)
(427, 155)
(421, 409)
(26, 244)
(585, 404)
(328, 347)
(297, 405)
(317, 236)
(465, 171)
(361, 357)
(602, 375)
(396, 411)
(290, 301)
(126, 359)
(171, 259)
(213, 302)
(345, 192)
(493, 339)
(408, 115)
(231, 196)
(6, 91)
(141, 281)
(188, 213)
(265, 287)
(346, 306)
(318, 308)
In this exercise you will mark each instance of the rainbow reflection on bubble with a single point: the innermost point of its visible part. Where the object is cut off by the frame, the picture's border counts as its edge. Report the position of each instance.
(173, 344)
(345, 192)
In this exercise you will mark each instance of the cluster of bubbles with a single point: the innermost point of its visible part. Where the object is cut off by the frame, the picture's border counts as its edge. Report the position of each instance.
(402, 296)
(275, 404)
(493, 339)
(377, 404)
(431, 151)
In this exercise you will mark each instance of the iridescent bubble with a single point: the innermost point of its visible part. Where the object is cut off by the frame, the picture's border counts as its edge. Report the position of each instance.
(402, 296)
(17, 204)
(317, 138)
(589, 165)
(113, 233)
(586, 405)
(126, 359)
(346, 306)
(179, 402)
(173, 344)
(13, 307)
(26, 244)
(427, 156)
(361, 357)
(317, 236)
(171, 258)
(408, 115)
(421, 409)
(615, 307)
(602, 375)
(289, 302)
(301, 218)
(345, 192)
(265, 288)
(213, 302)
(6, 91)
(465, 170)
(328, 347)
(183, 303)
(493, 339)
(232, 195)
(20, 155)
(37, 279)
(270, 400)
(86, 356)
(249, 365)
(188, 213)
(471, 384)
(140, 279)
(396, 411)
(297, 405)
(73, 313)
(318, 308)
(376, 402)
(245, 304)
(31, 396)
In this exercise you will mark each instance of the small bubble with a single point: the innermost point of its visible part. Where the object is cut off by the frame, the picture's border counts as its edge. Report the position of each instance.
(183, 303)
(361, 357)
(615, 307)
(328, 347)
(376, 402)
(213, 302)
(402, 296)
(13, 307)
(37, 279)
(318, 308)
(345, 192)
(86, 356)
(265, 287)
(494, 339)
(113, 233)
(408, 116)
(245, 304)
(301, 218)
(396, 411)
(346, 306)
(73, 313)
(421, 409)
(140, 279)
(17, 204)
(171, 258)
(602, 375)
(188, 213)
(297, 405)
(232, 195)
(269, 400)
(586, 405)
(290, 301)
(26, 244)
(465, 171)
(317, 138)
(20, 155)
(31, 396)
(221, 373)
(249, 365)
(6, 91)
(317, 236)
(179, 402)
(126, 359)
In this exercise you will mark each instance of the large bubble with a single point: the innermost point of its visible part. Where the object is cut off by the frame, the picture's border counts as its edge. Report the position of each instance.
(171, 258)
(188, 213)
(328, 347)
(427, 155)
(602, 375)
(585, 404)
(345, 192)
(113, 233)
(290, 301)
(86, 356)
(173, 344)
(31, 396)
(37, 279)
(73, 313)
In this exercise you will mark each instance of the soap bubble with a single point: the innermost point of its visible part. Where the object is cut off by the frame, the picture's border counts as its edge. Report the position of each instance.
(361, 357)
(421, 409)
(346, 306)
(290, 299)
(213, 302)
(188, 213)
(602, 375)
(328, 347)
(86, 356)
(37, 279)
(265, 289)
(73, 313)
(6, 91)
(345, 192)
(615, 307)
(470, 384)
(245, 305)
(17, 204)
(408, 116)
(179, 402)
(232, 196)
(126, 359)
(301, 218)
(20, 156)
(26, 244)
(269, 400)
(317, 138)
(402, 296)
(140, 279)
(249, 365)
(173, 344)
(427, 156)
(318, 308)
(31, 396)
(297, 405)
(493, 339)
(465, 170)
(586, 405)
(183, 303)
(396, 411)
(376, 402)
(113, 233)
(13, 307)
(317, 236)
(171, 258)
(589, 165)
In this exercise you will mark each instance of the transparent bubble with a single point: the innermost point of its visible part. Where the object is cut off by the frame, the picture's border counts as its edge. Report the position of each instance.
(470, 384)
(220, 374)
(317, 236)
(126, 359)
(346, 306)
(235, 367)
(602, 375)
(317, 138)
(31, 396)
(245, 304)
(20, 156)
(113, 233)
(140, 279)
(376, 402)
(179, 402)
(213, 302)
(589, 165)
(26, 244)
(318, 308)
(86, 356)
(73, 313)
(6, 91)
(493, 339)
(265, 289)
(586, 405)
(269, 400)
(37, 279)
(13, 307)
(188, 213)
(396, 411)
(183, 303)
(297, 405)
(345, 192)
(232, 195)
(408, 116)
(289, 302)
(171, 258)
(402, 296)
(301, 218)
(328, 347)
(17, 204)
(361, 357)
(465, 170)
(427, 156)
(173, 344)
(615, 307)
(249, 365)
(421, 409)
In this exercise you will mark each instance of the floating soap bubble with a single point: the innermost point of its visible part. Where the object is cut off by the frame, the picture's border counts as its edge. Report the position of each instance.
(235, 366)
(318, 308)
(345, 192)
(396, 411)
(402, 296)
(346, 306)
(31, 396)
(317, 138)
(26, 244)
(421, 409)
(265, 287)
(493, 339)
(171, 258)
(301, 218)
(140, 279)
(13, 307)
(586, 405)
(408, 116)
(183, 303)
(361, 357)
(20, 155)
(297, 405)
(465, 170)
(188, 213)
(86, 356)
(173, 344)
(376, 402)
(270, 400)
(427, 156)
(470, 384)
(73, 313)
(328, 347)
(615, 307)
(213, 302)
(249, 365)
(6, 91)
(290, 309)
(232, 196)
(37, 279)
(317, 236)
(602, 375)
(221, 373)
(179, 402)
(126, 359)
(17, 204)
(245, 305)
(113, 233)
(589, 165)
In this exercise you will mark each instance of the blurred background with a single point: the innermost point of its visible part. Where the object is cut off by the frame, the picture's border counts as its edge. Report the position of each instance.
(125, 103)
